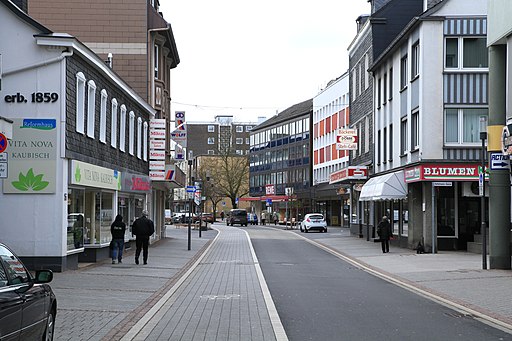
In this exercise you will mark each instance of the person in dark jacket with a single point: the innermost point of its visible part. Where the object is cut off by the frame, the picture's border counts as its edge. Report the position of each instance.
(117, 229)
(384, 232)
(142, 228)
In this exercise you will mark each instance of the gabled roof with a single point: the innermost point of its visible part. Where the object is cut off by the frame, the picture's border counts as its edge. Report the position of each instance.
(299, 109)
(25, 17)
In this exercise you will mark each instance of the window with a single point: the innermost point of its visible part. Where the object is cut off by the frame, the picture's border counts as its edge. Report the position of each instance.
(379, 98)
(390, 84)
(211, 140)
(139, 137)
(239, 140)
(211, 128)
(403, 136)
(91, 106)
(14, 267)
(466, 53)
(248, 128)
(415, 130)
(354, 95)
(378, 147)
(384, 89)
(403, 72)
(366, 73)
(145, 141)
(103, 116)
(211, 152)
(463, 125)
(239, 152)
(390, 142)
(113, 124)
(415, 62)
(156, 56)
(239, 129)
(131, 133)
(385, 146)
(80, 103)
(122, 129)
(247, 140)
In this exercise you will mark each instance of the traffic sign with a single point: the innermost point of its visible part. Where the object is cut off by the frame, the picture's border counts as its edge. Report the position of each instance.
(191, 189)
(500, 161)
(3, 143)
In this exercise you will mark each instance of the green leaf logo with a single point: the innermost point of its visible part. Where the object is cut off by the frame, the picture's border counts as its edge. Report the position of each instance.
(78, 175)
(30, 181)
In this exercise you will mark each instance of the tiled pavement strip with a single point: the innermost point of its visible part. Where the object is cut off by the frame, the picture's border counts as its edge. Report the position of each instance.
(105, 301)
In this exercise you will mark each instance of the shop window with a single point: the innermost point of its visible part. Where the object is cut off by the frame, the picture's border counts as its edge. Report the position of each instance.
(103, 116)
(139, 137)
(113, 124)
(76, 218)
(122, 129)
(91, 106)
(80, 103)
(446, 212)
(131, 133)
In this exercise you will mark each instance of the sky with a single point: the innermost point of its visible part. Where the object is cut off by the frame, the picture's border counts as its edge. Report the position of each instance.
(255, 59)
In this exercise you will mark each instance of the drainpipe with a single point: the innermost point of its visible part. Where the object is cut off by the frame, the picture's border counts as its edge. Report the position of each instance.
(63, 55)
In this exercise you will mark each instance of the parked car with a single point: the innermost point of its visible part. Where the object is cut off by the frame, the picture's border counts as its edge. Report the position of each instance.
(208, 217)
(236, 216)
(252, 219)
(313, 221)
(27, 303)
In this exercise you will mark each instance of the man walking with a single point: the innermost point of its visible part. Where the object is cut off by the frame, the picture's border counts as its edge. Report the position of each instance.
(142, 228)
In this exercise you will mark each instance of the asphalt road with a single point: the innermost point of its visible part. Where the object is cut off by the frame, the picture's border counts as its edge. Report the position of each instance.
(321, 297)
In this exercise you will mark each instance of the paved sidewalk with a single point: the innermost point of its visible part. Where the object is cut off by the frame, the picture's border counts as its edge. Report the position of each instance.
(103, 300)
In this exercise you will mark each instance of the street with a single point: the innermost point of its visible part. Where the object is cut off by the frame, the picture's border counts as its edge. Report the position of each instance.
(320, 297)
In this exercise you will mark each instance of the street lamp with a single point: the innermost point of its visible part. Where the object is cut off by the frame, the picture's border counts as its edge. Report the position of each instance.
(483, 137)
(190, 201)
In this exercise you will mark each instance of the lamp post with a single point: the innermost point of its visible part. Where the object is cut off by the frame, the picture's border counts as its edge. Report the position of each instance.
(483, 137)
(190, 201)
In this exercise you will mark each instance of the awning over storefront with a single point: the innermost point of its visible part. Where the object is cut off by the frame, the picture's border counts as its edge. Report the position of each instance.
(385, 187)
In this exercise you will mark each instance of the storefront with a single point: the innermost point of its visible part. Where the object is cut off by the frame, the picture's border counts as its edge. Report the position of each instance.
(450, 203)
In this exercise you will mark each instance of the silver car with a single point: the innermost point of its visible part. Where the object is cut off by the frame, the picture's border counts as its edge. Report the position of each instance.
(313, 221)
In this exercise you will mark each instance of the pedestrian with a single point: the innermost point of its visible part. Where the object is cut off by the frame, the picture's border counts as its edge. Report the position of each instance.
(222, 215)
(117, 229)
(384, 232)
(276, 218)
(142, 228)
(263, 217)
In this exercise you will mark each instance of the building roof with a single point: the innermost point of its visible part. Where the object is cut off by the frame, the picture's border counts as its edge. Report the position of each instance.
(24, 16)
(299, 109)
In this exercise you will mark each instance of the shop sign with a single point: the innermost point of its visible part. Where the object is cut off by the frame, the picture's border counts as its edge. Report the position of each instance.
(157, 133)
(157, 144)
(156, 155)
(157, 123)
(270, 190)
(442, 172)
(32, 166)
(157, 175)
(346, 139)
(157, 165)
(135, 183)
(86, 174)
(349, 173)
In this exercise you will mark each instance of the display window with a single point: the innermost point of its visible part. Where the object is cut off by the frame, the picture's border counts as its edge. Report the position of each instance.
(76, 219)
(130, 207)
(98, 217)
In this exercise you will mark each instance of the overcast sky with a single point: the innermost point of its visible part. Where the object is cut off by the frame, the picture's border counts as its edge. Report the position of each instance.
(251, 59)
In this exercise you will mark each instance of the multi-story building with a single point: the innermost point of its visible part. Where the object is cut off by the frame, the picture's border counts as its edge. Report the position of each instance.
(426, 126)
(221, 136)
(78, 152)
(280, 172)
(374, 34)
(330, 165)
(138, 44)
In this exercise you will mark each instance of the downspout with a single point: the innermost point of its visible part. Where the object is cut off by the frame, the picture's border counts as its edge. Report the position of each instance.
(63, 55)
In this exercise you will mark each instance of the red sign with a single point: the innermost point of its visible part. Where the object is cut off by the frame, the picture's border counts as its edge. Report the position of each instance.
(3, 143)
(349, 173)
(442, 172)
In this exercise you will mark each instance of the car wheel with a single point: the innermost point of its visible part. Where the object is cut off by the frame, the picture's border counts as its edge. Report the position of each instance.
(50, 327)
(306, 229)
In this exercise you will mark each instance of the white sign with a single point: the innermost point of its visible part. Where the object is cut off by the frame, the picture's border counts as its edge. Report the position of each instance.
(346, 139)
(156, 165)
(499, 161)
(442, 184)
(157, 144)
(3, 170)
(157, 123)
(157, 133)
(157, 175)
(156, 155)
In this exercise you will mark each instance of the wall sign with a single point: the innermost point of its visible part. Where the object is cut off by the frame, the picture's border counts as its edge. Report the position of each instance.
(86, 174)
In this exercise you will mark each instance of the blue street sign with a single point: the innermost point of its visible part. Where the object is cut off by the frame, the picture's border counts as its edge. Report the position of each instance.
(500, 161)
(191, 189)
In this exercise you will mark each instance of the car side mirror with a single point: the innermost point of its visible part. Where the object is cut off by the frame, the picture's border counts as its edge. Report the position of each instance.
(43, 276)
